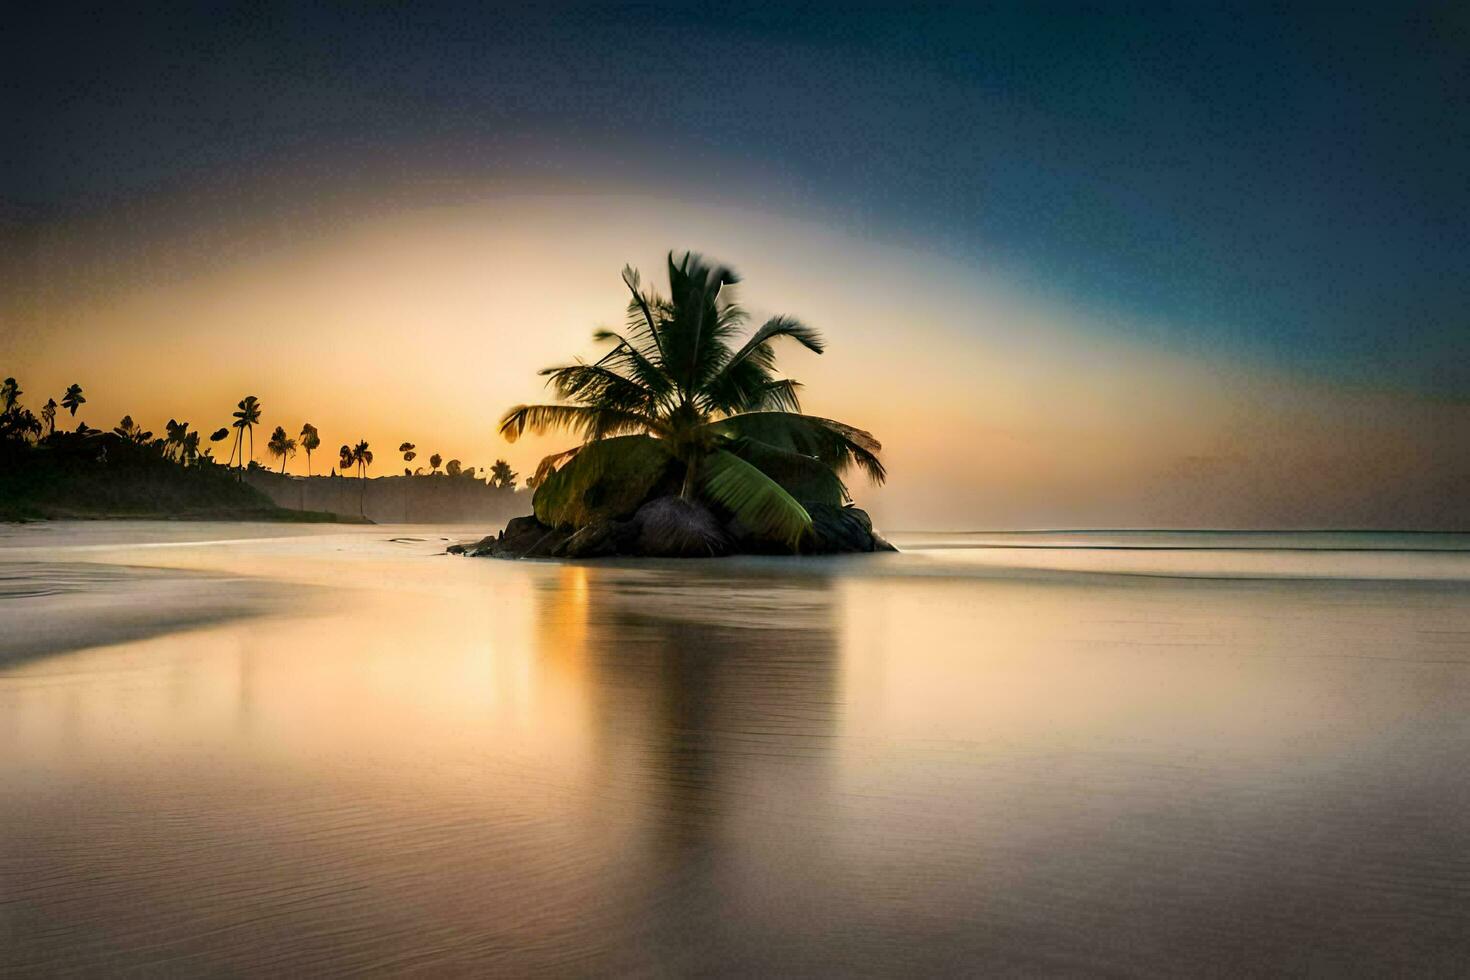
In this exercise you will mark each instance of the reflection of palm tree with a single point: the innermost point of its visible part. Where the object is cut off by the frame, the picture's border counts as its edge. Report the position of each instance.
(310, 440)
(72, 399)
(247, 416)
(680, 395)
(281, 446)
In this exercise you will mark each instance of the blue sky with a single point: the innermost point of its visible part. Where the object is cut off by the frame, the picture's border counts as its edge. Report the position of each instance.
(1286, 184)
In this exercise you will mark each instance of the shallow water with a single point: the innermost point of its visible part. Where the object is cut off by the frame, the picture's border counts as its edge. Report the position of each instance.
(236, 748)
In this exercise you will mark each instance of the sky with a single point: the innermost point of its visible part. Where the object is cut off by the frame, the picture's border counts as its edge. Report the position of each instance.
(1113, 266)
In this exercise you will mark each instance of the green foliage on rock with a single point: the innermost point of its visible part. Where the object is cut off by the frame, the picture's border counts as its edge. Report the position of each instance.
(603, 480)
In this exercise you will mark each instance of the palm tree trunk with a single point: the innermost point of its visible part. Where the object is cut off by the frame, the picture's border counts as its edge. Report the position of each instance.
(687, 491)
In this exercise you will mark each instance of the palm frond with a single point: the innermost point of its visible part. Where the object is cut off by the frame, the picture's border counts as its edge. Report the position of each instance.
(641, 320)
(806, 478)
(759, 344)
(835, 443)
(589, 421)
(609, 478)
(758, 501)
(594, 384)
(631, 361)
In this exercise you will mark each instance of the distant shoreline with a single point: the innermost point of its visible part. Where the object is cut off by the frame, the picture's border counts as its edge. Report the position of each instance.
(278, 515)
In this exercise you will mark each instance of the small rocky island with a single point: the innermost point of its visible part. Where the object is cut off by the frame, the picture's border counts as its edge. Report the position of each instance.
(692, 445)
(670, 527)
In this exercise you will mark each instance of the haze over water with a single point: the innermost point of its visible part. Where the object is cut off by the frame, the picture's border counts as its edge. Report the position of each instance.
(285, 749)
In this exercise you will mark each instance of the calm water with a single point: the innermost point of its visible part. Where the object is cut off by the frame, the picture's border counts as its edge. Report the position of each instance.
(244, 749)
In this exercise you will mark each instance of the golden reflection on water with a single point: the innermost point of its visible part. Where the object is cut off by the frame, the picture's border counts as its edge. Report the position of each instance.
(413, 762)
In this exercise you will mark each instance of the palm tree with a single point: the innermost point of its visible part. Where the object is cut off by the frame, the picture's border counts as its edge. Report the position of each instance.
(175, 435)
(502, 476)
(361, 457)
(10, 393)
(131, 431)
(281, 446)
(676, 395)
(48, 415)
(72, 399)
(309, 440)
(452, 468)
(434, 462)
(407, 449)
(247, 416)
(189, 451)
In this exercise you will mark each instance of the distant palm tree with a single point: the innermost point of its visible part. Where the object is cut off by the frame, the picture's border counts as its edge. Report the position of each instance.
(281, 446)
(451, 468)
(362, 457)
(407, 449)
(72, 399)
(502, 476)
(48, 415)
(131, 431)
(219, 435)
(309, 441)
(9, 394)
(189, 451)
(434, 463)
(175, 434)
(683, 398)
(247, 417)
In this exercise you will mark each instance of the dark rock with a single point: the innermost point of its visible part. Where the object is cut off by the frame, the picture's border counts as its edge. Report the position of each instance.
(835, 530)
(672, 527)
(526, 537)
(600, 539)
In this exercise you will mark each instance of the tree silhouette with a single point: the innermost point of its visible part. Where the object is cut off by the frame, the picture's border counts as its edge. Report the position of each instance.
(676, 394)
(362, 457)
(247, 416)
(48, 415)
(281, 446)
(434, 463)
(175, 435)
(502, 477)
(451, 468)
(130, 431)
(310, 440)
(407, 449)
(72, 399)
(9, 394)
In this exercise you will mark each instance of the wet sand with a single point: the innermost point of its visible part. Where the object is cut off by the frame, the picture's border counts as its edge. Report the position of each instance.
(249, 749)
